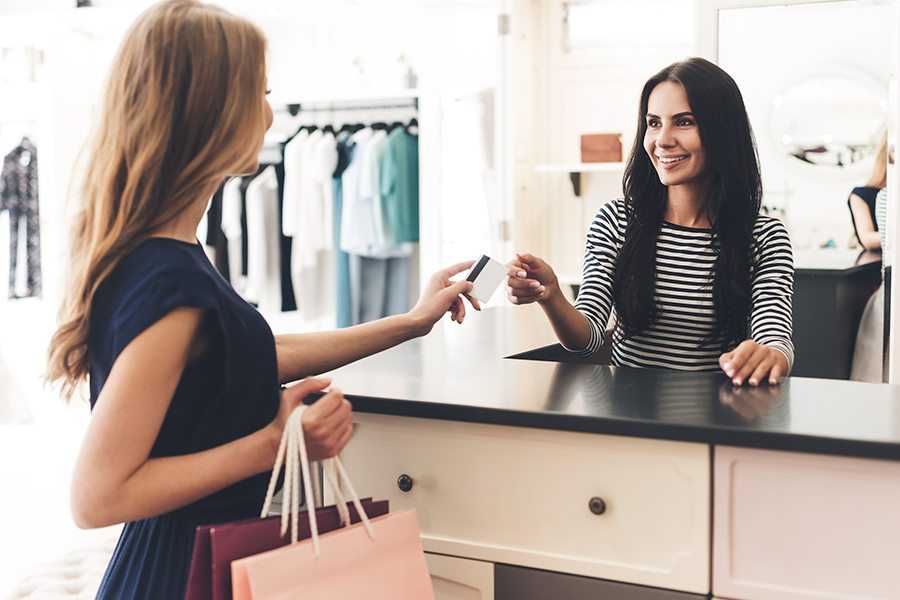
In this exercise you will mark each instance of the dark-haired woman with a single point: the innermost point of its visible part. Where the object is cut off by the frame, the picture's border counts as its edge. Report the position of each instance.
(696, 277)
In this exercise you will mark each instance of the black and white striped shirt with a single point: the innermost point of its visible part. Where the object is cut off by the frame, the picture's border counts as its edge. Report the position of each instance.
(685, 262)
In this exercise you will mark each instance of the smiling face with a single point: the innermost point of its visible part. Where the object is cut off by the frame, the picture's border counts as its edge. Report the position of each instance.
(672, 140)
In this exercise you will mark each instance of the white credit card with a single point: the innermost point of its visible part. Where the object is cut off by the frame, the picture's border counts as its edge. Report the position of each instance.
(486, 275)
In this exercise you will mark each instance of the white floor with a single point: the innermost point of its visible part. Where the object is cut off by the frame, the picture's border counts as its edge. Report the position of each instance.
(39, 439)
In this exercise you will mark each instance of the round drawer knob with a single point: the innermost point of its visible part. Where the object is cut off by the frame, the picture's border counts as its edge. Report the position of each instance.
(405, 483)
(597, 505)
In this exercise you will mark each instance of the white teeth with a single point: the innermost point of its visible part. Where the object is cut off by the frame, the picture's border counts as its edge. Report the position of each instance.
(670, 161)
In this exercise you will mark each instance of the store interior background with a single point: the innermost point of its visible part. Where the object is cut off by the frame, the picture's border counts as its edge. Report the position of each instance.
(505, 88)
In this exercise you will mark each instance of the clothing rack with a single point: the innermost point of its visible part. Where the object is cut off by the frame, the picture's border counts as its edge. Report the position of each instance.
(295, 109)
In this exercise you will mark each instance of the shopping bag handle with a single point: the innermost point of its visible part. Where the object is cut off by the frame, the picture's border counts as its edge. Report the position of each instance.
(293, 456)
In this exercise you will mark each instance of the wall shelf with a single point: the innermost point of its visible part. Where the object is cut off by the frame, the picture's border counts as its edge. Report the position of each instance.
(576, 169)
(581, 168)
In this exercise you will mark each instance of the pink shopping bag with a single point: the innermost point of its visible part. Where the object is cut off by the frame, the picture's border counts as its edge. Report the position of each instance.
(351, 566)
(216, 546)
(377, 559)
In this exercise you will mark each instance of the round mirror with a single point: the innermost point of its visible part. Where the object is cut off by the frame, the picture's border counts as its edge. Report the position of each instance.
(830, 120)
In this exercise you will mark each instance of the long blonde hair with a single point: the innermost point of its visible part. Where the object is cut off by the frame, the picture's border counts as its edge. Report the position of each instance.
(879, 173)
(182, 105)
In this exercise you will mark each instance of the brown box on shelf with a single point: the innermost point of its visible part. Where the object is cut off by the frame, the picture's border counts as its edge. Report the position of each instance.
(601, 147)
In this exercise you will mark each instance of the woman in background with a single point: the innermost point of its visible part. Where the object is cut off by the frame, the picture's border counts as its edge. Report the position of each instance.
(862, 201)
(184, 374)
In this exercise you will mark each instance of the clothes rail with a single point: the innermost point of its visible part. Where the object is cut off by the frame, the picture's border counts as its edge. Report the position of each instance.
(295, 109)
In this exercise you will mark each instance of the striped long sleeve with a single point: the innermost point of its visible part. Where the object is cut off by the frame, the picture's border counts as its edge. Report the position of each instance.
(685, 267)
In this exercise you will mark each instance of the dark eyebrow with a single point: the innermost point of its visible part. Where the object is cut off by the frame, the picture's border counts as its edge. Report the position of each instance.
(679, 115)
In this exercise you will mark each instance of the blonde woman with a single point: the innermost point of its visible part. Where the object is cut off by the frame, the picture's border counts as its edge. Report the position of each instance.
(862, 201)
(184, 375)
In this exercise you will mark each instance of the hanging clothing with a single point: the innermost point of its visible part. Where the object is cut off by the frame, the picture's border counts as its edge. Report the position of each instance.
(245, 245)
(344, 151)
(353, 221)
(399, 185)
(231, 230)
(310, 160)
(380, 287)
(264, 262)
(19, 197)
(288, 301)
(314, 199)
(214, 236)
(293, 183)
(221, 396)
(364, 232)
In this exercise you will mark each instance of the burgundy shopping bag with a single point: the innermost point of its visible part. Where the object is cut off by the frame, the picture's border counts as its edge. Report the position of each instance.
(215, 546)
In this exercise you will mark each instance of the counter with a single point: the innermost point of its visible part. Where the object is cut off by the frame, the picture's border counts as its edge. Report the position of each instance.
(542, 479)
(831, 288)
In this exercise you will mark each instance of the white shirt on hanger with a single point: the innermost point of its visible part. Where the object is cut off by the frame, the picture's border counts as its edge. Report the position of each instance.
(263, 259)
(311, 228)
(293, 186)
(231, 227)
(312, 257)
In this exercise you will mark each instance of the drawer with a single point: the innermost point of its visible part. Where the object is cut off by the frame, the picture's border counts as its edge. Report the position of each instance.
(460, 579)
(519, 583)
(523, 496)
(791, 526)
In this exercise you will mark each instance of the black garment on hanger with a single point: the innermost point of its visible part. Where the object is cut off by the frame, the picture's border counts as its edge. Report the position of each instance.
(244, 246)
(19, 196)
(288, 300)
(215, 237)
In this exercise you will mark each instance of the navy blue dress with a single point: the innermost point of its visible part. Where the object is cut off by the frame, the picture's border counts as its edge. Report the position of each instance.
(229, 392)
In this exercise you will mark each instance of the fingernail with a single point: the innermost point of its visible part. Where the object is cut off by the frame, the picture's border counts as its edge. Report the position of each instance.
(522, 274)
(753, 382)
(737, 381)
(541, 289)
(535, 284)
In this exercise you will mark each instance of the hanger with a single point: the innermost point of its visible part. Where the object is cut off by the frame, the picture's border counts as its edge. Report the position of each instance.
(328, 129)
(412, 127)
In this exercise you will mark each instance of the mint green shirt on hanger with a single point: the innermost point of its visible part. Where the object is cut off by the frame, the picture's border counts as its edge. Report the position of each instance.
(400, 186)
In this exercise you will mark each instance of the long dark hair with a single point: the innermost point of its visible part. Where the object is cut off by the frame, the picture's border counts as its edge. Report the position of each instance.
(733, 203)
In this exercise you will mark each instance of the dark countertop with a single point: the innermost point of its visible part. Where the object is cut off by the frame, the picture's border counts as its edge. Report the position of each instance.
(835, 262)
(459, 373)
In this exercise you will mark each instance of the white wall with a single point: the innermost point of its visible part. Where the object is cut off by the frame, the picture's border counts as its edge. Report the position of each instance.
(586, 90)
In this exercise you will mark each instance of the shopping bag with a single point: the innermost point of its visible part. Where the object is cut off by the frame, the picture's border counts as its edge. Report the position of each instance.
(215, 546)
(378, 559)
